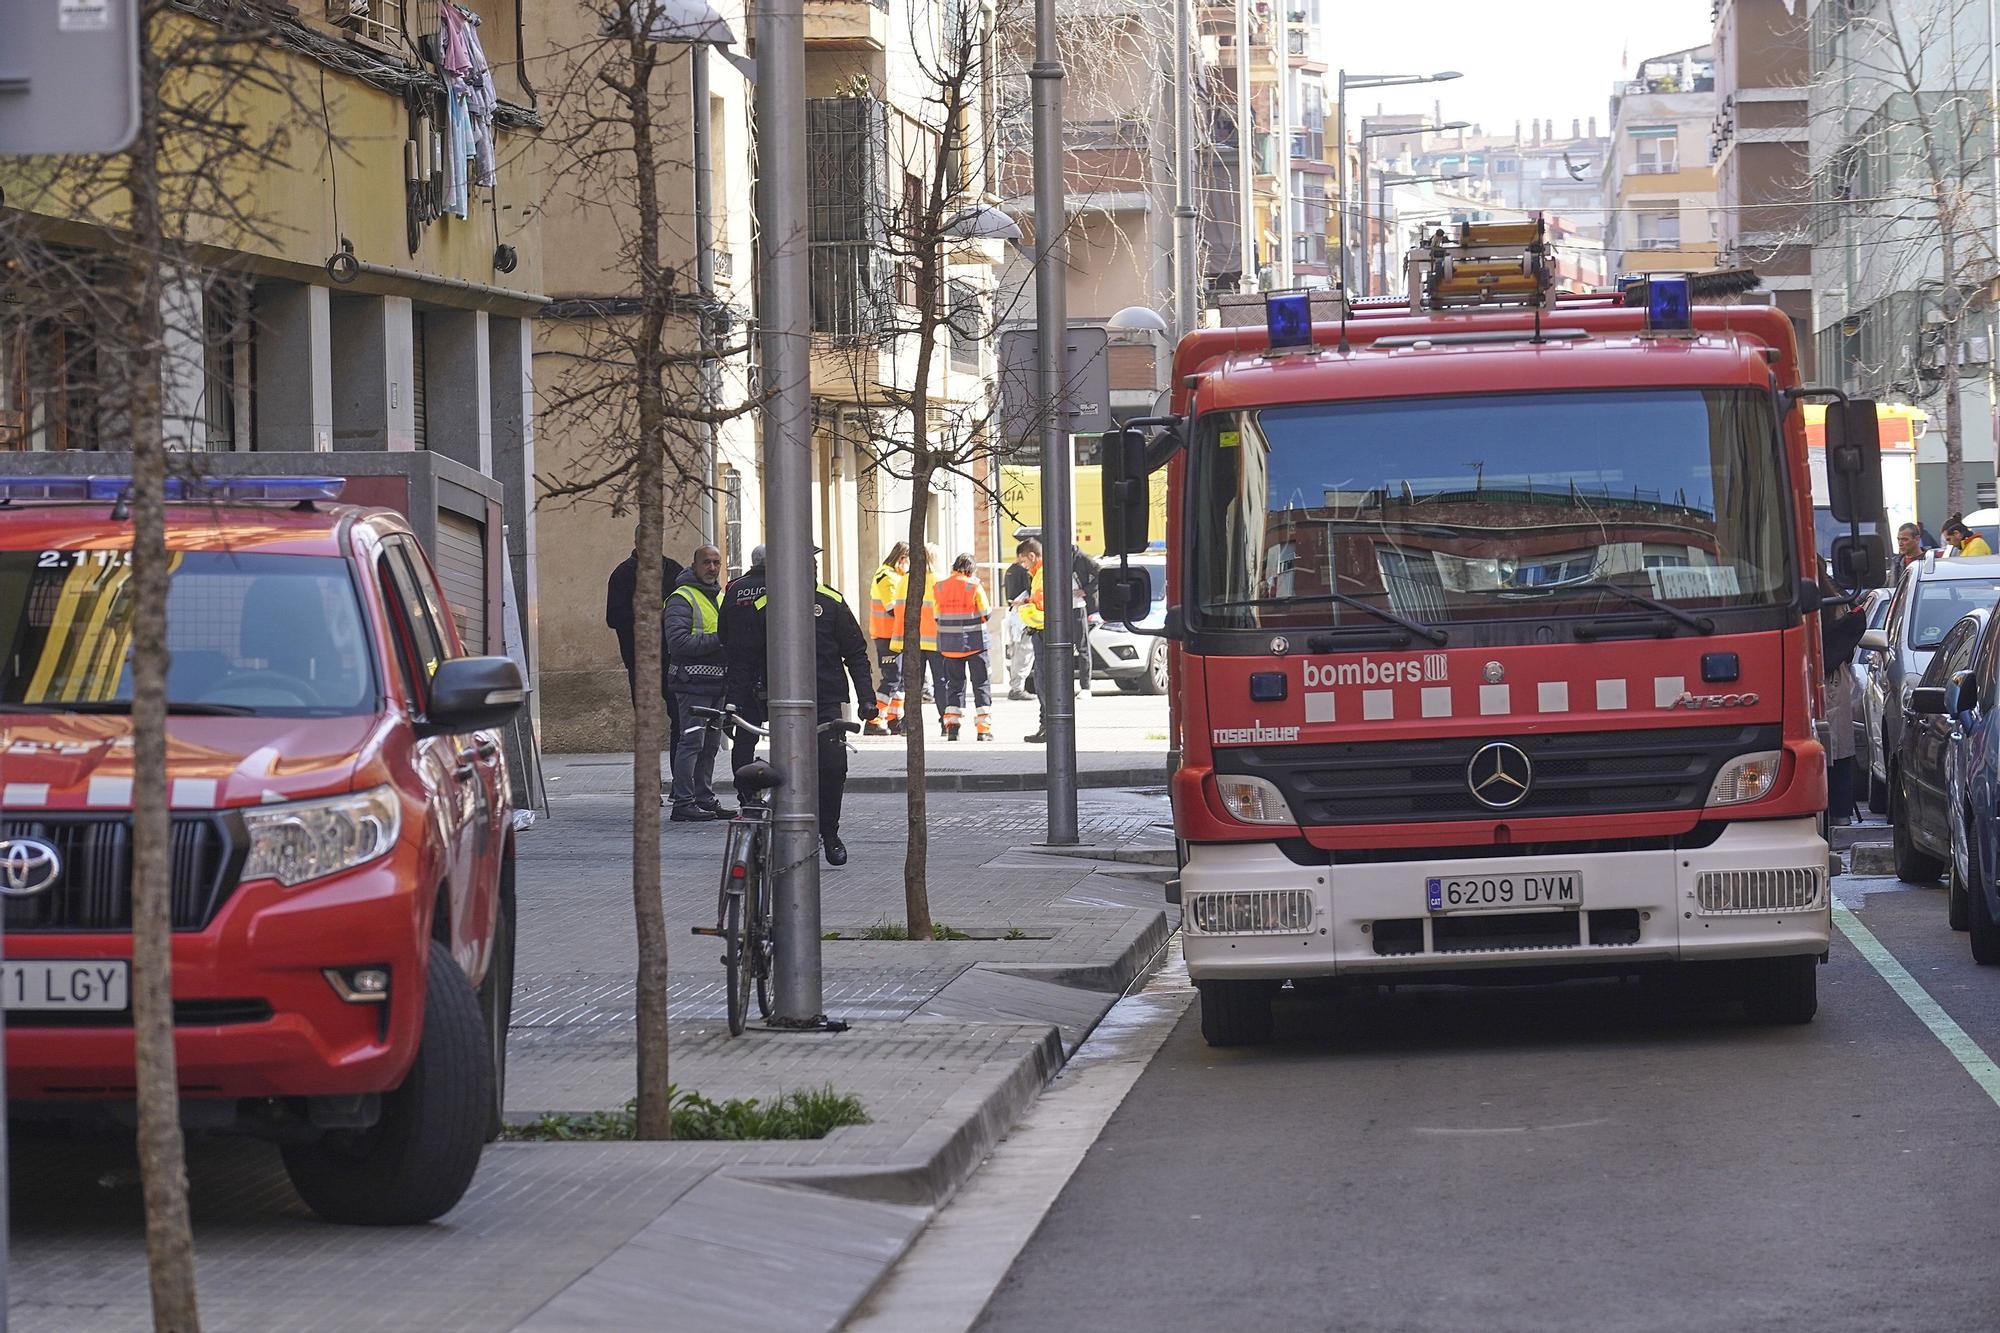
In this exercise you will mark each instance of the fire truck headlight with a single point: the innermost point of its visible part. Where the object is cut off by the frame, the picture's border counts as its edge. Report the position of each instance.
(1253, 800)
(1747, 777)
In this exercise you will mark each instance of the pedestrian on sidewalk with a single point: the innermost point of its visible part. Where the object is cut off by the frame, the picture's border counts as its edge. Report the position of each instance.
(618, 618)
(1014, 587)
(741, 625)
(840, 657)
(962, 610)
(930, 671)
(699, 677)
(886, 594)
(1031, 604)
(1841, 627)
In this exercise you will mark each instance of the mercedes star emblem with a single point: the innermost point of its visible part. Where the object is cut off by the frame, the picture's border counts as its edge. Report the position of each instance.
(27, 866)
(1495, 674)
(1499, 775)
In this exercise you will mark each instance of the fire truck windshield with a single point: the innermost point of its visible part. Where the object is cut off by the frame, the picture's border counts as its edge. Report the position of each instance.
(1489, 506)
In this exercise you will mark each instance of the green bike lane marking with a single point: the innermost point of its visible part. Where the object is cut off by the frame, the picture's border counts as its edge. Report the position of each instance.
(1949, 1034)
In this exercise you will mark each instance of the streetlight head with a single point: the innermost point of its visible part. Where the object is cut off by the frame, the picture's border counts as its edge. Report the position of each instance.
(1137, 319)
(695, 22)
(981, 222)
(1454, 125)
(1446, 76)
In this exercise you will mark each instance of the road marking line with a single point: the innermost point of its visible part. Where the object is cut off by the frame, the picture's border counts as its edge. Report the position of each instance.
(1950, 1035)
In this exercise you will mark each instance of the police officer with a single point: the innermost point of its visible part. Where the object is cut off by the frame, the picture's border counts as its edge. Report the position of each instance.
(840, 656)
(692, 631)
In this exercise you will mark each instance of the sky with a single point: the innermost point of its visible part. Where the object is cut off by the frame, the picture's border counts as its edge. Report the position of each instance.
(1548, 59)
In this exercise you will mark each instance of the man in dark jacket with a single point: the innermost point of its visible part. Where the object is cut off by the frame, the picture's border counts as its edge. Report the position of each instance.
(694, 641)
(840, 659)
(743, 647)
(618, 618)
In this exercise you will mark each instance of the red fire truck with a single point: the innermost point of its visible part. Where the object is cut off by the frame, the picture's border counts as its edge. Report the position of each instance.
(1496, 623)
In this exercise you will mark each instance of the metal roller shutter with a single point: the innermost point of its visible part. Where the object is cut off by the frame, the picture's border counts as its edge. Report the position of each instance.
(461, 567)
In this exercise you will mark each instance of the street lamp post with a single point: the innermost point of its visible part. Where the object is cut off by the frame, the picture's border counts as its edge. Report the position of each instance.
(1361, 185)
(1342, 84)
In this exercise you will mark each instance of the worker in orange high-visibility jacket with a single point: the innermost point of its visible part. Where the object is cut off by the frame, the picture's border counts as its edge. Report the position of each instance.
(962, 611)
(927, 632)
(885, 626)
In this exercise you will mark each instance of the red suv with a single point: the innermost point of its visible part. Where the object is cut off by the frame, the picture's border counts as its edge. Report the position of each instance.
(343, 860)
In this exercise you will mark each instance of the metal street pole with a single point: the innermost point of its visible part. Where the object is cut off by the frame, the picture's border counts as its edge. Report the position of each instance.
(704, 268)
(1361, 203)
(1382, 232)
(786, 333)
(1284, 147)
(1246, 167)
(1340, 169)
(1058, 677)
(1187, 301)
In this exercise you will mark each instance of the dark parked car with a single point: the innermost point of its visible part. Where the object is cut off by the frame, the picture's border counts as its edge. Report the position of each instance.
(1930, 597)
(1956, 717)
(1923, 825)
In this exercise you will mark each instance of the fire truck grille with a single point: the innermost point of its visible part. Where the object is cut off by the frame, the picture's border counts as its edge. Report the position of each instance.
(94, 889)
(1424, 781)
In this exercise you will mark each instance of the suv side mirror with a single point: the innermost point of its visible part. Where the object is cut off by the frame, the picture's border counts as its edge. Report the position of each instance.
(1127, 504)
(1124, 592)
(472, 694)
(1860, 559)
(1928, 699)
(1875, 641)
(1853, 462)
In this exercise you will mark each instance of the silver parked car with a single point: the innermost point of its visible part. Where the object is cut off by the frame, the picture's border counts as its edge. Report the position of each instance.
(1137, 663)
(1931, 596)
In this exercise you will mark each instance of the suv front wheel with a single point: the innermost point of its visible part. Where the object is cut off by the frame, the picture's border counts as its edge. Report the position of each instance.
(415, 1163)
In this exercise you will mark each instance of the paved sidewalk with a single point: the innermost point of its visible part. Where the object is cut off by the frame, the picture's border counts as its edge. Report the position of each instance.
(950, 1040)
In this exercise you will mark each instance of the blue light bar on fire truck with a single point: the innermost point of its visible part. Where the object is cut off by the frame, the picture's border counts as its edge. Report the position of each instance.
(110, 490)
(1288, 320)
(1669, 304)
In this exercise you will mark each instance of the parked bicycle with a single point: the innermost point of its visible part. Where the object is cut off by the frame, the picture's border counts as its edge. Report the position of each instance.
(743, 909)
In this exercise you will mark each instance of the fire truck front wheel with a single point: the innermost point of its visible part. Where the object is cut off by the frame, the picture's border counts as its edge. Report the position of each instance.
(1236, 1013)
(1782, 990)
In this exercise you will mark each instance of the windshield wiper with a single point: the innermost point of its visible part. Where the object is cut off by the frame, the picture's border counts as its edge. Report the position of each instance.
(125, 706)
(1699, 624)
(1417, 627)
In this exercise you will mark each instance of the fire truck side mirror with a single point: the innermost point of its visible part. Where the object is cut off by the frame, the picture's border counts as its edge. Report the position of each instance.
(1127, 507)
(1859, 560)
(1853, 462)
(1124, 592)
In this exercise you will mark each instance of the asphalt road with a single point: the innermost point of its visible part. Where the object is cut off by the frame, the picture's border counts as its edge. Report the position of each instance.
(1590, 1156)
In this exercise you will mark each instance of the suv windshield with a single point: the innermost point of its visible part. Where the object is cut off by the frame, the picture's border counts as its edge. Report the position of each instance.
(1940, 603)
(276, 634)
(1489, 506)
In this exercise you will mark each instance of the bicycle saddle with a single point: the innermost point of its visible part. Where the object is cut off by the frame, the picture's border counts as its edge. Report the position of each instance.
(759, 776)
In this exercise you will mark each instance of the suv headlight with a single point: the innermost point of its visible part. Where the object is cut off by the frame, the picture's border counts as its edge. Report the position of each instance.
(308, 840)
(1253, 800)
(1747, 777)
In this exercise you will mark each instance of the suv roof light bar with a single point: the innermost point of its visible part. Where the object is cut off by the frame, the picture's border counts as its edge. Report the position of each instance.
(111, 489)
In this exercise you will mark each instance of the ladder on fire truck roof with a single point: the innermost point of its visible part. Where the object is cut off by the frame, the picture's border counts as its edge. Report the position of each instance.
(1486, 264)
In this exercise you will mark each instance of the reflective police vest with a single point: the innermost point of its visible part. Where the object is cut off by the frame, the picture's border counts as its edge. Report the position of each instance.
(961, 616)
(885, 602)
(1031, 610)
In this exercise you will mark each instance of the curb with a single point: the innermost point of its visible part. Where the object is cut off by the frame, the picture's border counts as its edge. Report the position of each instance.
(1871, 858)
(842, 1228)
(1109, 777)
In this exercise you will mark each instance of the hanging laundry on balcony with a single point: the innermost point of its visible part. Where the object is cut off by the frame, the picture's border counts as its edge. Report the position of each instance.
(472, 100)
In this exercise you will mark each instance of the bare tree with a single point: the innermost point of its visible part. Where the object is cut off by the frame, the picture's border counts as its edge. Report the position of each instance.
(637, 381)
(93, 243)
(1907, 191)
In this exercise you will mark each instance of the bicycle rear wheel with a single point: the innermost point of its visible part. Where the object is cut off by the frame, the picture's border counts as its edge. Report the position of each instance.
(738, 961)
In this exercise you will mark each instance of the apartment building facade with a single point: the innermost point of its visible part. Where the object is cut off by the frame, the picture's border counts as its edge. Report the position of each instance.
(1759, 145)
(1898, 96)
(1658, 186)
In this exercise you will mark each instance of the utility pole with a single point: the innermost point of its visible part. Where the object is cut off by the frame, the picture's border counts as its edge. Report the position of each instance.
(1187, 300)
(1246, 167)
(704, 268)
(786, 333)
(1052, 338)
(1282, 19)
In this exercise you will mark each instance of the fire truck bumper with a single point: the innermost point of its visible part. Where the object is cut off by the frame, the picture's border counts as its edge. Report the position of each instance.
(1760, 890)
